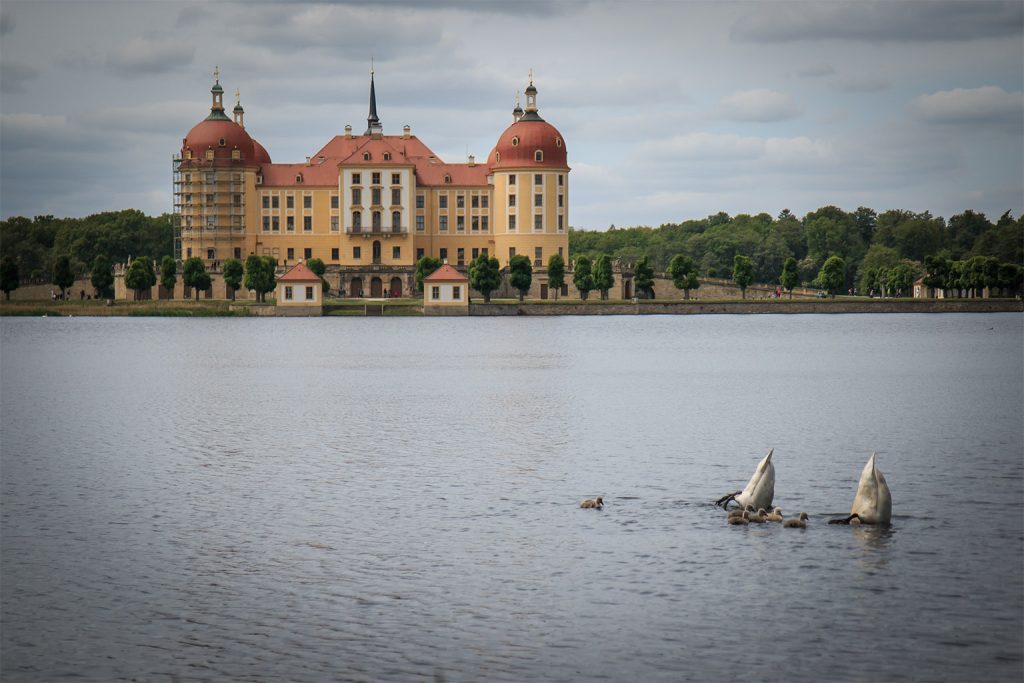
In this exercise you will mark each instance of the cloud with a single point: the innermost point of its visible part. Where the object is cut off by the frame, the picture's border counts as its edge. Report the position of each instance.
(14, 75)
(816, 71)
(193, 15)
(150, 55)
(23, 131)
(880, 21)
(728, 148)
(861, 84)
(988, 104)
(759, 105)
(6, 22)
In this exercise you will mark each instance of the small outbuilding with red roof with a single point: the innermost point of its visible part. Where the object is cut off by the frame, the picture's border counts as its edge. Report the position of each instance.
(446, 292)
(300, 291)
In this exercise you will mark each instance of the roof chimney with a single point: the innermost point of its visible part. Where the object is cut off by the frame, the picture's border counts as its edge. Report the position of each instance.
(472, 160)
(405, 132)
(348, 131)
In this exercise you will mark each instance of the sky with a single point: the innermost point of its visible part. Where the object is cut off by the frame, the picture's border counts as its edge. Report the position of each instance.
(669, 110)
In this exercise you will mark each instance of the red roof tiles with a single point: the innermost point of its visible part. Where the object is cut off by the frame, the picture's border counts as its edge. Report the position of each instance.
(299, 273)
(446, 274)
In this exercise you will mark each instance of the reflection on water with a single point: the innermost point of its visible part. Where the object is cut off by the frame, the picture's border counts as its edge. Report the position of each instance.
(386, 499)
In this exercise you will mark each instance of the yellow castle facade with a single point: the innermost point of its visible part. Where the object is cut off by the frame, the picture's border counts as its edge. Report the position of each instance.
(371, 205)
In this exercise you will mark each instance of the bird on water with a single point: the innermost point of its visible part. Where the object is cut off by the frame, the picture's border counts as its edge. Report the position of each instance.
(597, 503)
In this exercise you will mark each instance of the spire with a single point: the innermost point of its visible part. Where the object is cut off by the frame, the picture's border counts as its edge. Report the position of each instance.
(517, 113)
(531, 102)
(238, 111)
(217, 95)
(373, 126)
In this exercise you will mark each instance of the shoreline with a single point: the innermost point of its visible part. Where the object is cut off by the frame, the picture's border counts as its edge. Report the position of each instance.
(414, 307)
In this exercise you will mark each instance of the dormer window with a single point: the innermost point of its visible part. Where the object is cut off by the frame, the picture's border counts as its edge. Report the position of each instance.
(558, 142)
(209, 154)
(538, 155)
(221, 142)
(259, 179)
(447, 179)
(497, 156)
(236, 154)
(515, 142)
(366, 156)
(298, 178)
(188, 154)
(387, 156)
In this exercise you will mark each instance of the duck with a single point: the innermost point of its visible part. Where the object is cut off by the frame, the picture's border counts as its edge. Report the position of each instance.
(759, 491)
(597, 503)
(774, 516)
(797, 522)
(872, 503)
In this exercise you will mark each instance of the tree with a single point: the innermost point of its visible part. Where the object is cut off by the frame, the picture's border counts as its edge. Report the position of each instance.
(790, 277)
(63, 277)
(102, 278)
(832, 276)
(232, 271)
(643, 279)
(317, 266)
(168, 273)
(424, 267)
(259, 275)
(604, 278)
(9, 277)
(742, 273)
(683, 271)
(556, 273)
(582, 277)
(900, 278)
(140, 275)
(193, 274)
(485, 275)
(520, 274)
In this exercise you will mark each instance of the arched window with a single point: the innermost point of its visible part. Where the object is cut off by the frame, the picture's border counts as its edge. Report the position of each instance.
(376, 221)
(366, 156)
(396, 221)
(447, 179)
(515, 142)
(221, 142)
(538, 155)
(387, 156)
(357, 221)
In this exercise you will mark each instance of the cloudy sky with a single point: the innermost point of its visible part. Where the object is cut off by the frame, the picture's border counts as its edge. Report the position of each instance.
(670, 110)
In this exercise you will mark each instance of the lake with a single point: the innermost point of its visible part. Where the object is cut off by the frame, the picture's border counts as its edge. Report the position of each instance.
(397, 499)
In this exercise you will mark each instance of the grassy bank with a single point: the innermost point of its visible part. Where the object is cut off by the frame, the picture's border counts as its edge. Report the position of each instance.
(170, 309)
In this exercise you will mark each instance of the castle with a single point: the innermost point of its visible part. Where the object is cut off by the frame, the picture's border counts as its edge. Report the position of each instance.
(370, 205)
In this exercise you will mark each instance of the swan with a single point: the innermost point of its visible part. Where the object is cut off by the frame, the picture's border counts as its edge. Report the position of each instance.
(774, 516)
(758, 517)
(739, 519)
(593, 503)
(873, 502)
(797, 522)
(760, 490)
(742, 512)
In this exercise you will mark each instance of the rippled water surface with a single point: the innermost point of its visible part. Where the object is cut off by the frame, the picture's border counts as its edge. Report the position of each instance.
(396, 499)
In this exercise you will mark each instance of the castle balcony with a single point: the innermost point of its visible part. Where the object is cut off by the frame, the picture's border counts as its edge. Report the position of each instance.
(378, 230)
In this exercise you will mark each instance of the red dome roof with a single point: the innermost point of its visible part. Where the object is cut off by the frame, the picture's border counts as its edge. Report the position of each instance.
(222, 136)
(260, 154)
(518, 145)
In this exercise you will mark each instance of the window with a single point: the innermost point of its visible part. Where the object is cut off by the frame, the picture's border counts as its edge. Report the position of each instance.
(447, 179)
(211, 223)
(211, 254)
(444, 253)
(375, 176)
(538, 256)
(515, 142)
(442, 201)
(357, 179)
(307, 201)
(538, 155)
(512, 179)
(357, 196)
(288, 292)
(209, 177)
(419, 254)
(561, 225)
(376, 221)
(538, 179)
(387, 156)
(396, 178)
(357, 221)
(420, 201)
(266, 223)
(291, 253)
(266, 202)
(538, 200)
(461, 255)
(511, 200)
(189, 253)
(334, 224)
(290, 222)
(236, 199)
(420, 224)
(396, 197)
(483, 201)
(334, 201)
(435, 292)
(538, 222)
(209, 199)
(209, 155)
(307, 223)
(236, 154)
(561, 200)
(396, 221)
(275, 202)
(511, 252)
(512, 221)
(309, 292)
(460, 201)
(460, 223)
(289, 202)
(456, 293)
(561, 180)
(442, 223)
(221, 142)
(366, 156)
(357, 253)
(476, 253)
(307, 253)
(238, 252)
(483, 223)
(334, 253)
(375, 196)
(484, 251)
(396, 252)
(276, 224)
(475, 201)
(476, 223)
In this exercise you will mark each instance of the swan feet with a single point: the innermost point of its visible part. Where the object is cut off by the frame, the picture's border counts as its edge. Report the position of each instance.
(724, 501)
(845, 520)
